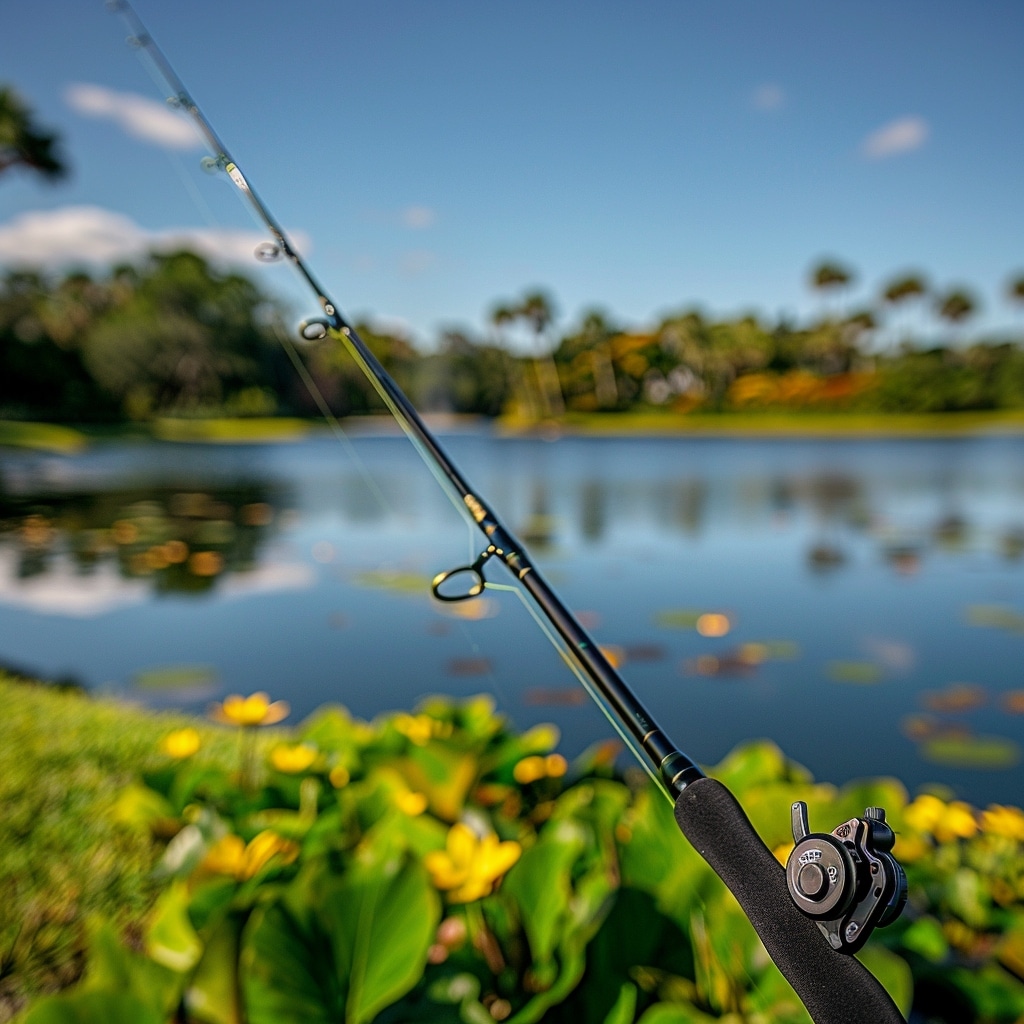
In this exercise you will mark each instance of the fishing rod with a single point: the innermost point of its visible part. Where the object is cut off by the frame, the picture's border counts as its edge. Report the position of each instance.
(836, 887)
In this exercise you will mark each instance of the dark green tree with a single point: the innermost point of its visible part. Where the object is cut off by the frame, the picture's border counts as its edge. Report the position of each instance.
(183, 339)
(23, 143)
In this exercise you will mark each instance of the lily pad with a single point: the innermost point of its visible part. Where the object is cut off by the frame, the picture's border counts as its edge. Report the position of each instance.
(176, 677)
(994, 753)
(393, 580)
(995, 616)
(678, 618)
(955, 698)
(861, 672)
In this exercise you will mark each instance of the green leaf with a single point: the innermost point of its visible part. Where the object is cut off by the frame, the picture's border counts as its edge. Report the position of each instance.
(893, 973)
(114, 968)
(93, 1008)
(540, 884)
(340, 948)
(171, 939)
(925, 937)
(287, 974)
(212, 996)
(625, 1006)
(676, 1013)
(384, 915)
(968, 898)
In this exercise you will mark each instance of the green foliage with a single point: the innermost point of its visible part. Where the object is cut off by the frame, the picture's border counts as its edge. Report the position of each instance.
(171, 335)
(23, 143)
(440, 866)
(65, 856)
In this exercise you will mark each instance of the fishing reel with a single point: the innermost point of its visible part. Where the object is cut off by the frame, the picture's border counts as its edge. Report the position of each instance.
(846, 880)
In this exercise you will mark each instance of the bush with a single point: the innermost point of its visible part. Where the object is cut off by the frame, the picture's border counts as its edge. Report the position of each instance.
(440, 866)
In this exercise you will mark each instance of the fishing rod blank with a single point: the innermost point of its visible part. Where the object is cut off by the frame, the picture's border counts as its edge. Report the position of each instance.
(810, 915)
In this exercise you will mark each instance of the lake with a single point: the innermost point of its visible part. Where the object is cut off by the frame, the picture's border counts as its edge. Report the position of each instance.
(860, 601)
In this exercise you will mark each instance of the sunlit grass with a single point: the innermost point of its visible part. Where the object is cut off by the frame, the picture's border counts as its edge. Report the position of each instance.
(43, 436)
(254, 430)
(65, 758)
(780, 423)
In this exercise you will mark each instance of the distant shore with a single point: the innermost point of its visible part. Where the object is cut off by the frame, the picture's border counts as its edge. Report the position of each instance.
(220, 430)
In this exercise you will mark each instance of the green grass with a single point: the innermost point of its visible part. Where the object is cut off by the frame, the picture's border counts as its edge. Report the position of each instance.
(64, 760)
(43, 436)
(779, 424)
(256, 430)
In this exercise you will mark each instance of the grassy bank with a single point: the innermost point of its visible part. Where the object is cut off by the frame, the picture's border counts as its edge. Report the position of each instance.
(437, 865)
(265, 430)
(769, 424)
(65, 760)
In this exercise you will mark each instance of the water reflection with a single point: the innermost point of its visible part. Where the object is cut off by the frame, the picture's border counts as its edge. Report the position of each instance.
(788, 589)
(180, 542)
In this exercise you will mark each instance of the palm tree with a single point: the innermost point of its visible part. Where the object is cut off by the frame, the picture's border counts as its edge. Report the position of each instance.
(955, 306)
(830, 277)
(903, 289)
(1015, 290)
(23, 143)
(538, 310)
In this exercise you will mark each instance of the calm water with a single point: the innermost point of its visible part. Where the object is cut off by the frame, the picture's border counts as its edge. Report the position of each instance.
(872, 591)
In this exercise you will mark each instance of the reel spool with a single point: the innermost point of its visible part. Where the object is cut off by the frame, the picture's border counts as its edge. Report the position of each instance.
(847, 880)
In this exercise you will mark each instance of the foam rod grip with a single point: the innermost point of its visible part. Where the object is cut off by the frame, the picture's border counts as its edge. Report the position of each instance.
(835, 987)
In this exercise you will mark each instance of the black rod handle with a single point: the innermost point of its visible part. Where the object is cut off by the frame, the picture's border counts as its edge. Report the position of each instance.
(835, 988)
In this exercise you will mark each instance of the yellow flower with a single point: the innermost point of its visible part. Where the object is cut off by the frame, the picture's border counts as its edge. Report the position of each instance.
(339, 776)
(910, 848)
(958, 822)
(231, 855)
(946, 822)
(255, 709)
(1003, 821)
(294, 758)
(181, 743)
(469, 866)
(225, 856)
(421, 728)
(532, 768)
(411, 803)
(529, 769)
(924, 813)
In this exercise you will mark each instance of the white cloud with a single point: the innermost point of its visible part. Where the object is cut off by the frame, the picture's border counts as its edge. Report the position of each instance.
(768, 97)
(900, 136)
(267, 579)
(418, 217)
(92, 234)
(61, 591)
(138, 116)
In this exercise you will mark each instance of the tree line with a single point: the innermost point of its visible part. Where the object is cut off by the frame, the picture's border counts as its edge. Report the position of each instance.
(174, 335)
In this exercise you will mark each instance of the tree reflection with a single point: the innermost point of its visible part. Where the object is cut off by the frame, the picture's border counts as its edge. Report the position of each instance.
(181, 542)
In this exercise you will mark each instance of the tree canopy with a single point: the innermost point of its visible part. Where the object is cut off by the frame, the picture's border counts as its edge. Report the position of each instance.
(23, 143)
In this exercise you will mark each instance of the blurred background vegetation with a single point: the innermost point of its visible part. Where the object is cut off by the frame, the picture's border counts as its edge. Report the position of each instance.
(176, 336)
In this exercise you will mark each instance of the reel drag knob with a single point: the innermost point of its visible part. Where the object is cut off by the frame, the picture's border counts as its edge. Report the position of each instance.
(820, 872)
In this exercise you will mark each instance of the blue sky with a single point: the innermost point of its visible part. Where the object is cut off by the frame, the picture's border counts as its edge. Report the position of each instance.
(433, 158)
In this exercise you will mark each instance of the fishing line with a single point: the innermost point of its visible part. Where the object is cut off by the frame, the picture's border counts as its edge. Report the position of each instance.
(810, 944)
(676, 770)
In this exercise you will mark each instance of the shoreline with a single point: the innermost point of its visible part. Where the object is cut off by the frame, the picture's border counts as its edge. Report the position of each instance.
(65, 439)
